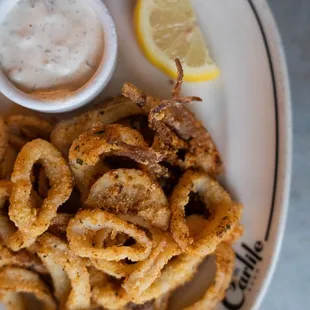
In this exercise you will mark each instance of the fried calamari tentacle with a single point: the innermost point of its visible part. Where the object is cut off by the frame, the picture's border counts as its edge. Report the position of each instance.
(225, 214)
(200, 151)
(157, 114)
(178, 129)
(84, 226)
(68, 271)
(224, 259)
(30, 221)
(19, 280)
(133, 192)
(152, 104)
(156, 117)
(108, 112)
(108, 140)
(176, 91)
(138, 97)
(24, 128)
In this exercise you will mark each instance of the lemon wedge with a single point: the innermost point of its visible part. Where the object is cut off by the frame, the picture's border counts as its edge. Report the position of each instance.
(166, 30)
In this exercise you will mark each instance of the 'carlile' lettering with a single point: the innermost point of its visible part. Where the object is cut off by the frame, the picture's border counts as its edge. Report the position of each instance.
(235, 295)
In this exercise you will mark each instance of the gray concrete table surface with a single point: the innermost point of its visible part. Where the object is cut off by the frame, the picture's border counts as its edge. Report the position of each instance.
(290, 287)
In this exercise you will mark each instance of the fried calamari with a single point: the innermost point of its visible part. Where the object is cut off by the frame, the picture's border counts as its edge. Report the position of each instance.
(133, 192)
(32, 220)
(224, 214)
(82, 230)
(88, 152)
(115, 208)
(108, 112)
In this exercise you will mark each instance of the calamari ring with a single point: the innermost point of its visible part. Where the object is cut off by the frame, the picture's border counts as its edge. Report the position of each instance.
(108, 112)
(144, 272)
(131, 191)
(19, 280)
(225, 260)
(225, 214)
(106, 140)
(149, 270)
(68, 271)
(85, 224)
(29, 126)
(123, 268)
(32, 222)
(23, 259)
(176, 273)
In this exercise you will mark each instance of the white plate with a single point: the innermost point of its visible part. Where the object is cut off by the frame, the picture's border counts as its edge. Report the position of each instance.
(247, 111)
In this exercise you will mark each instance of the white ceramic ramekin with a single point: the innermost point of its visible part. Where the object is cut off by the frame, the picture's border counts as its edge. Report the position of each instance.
(85, 94)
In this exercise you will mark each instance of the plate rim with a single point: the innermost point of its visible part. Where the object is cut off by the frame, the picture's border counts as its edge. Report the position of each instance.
(283, 143)
(284, 139)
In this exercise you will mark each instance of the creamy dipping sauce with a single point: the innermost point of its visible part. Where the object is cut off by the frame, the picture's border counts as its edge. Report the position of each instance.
(50, 45)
